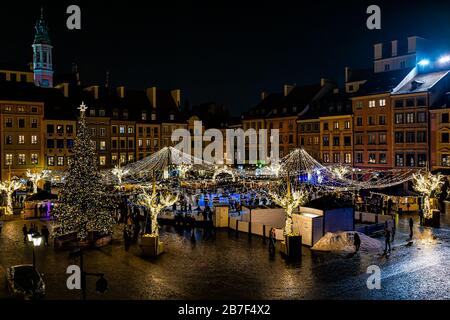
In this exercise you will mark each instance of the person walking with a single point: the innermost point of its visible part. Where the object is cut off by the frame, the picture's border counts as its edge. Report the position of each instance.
(356, 242)
(387, 239)
(272, 241)
(25, 233)
(411, 225)
(45, 233)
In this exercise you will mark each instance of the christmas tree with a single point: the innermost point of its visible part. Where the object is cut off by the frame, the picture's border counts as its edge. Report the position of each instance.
(84, 204)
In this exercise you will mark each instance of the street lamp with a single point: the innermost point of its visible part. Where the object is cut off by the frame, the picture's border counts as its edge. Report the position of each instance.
(36, 239)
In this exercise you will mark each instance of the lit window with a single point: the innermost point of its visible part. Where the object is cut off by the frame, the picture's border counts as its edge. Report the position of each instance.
(34, 158)
(102, 145)
(21, 159)
(21, 139)
(9, 159)
(371, 103)
(140, 144)
(102, 160)
(34, 123)
(144, 115)
(347, 124)
(172, 117)
(372, 158)
(122, 129)
(60, 161)
(336, 125)
(9, 139)
(130, 130)
(59, 128)
(93, 132)
(382, 102)
(33, 139)
(153, 116)
(348, 158)
(101, 112)
(102, 132)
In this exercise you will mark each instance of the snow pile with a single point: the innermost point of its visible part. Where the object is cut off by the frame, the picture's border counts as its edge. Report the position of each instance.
(344, 242)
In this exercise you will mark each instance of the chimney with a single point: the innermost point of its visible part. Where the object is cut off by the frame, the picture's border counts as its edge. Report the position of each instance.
(64, 87)
(394, 48)
(347, 74)
(412, 44)
(287, 89)
(324, 81)
(151, 95)
(377, 51)
(121, 92)
(93, 90)
(264, 94)
(176, 96)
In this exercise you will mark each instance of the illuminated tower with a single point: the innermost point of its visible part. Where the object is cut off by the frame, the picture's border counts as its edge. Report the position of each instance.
(42, 55)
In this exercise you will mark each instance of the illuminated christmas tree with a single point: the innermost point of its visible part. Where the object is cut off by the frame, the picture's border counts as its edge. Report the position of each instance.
(84, 204)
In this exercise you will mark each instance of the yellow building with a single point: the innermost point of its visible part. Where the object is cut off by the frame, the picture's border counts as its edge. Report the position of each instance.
(59, 140)
(336, 139)
(21, 132)
(440, 138)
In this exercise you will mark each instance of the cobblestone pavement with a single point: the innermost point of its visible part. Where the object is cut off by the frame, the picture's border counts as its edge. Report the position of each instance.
(230, 266)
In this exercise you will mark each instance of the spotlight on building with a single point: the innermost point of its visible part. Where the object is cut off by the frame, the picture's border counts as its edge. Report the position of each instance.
(444, 59)
(424, 62)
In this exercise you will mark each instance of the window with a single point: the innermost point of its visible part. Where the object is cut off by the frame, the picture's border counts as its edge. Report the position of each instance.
(9, 159)
(326, 141)
(155, 142)
(326, 157)
(410, 117)
(410, 102)
(130, 157)
(399, 160)
(359, 157)
(102, 132)
(399, 137)
(347, 141)
(92, 112)
(372, 138)
(122, 144)
(34, 140)
(93, 132)
(130, 144)
(382, 102)
(21, 159)
(444, 118)
(372, 158)
(20, 109)
(370, 121)
(402, 64)
(336, 157)
(103, 145)
(382, 158)
(140, 143)
(148, 143)
(445, 160)
(153, 116)
(69, 129)
(34, 123)
(50, 128)
(347, 124)
(348, 158)
(421, 102)
(336, 125)
(410, 160)
(9, 123)
(410, 137)
(9, 140)
(101, 112)
(123, 158)
(60, 161)
(421, 159)
(359, 139)
(444, 137)
(130, 130)
(382, 138)
(398, 103)
(359, 104)
(115, 114)
(50, 143)
(371, 103)
(387, 67)
(291, 139)
(421, 136)
(69, 143)
(398, 118)
(60, 143)
(336, 141)
(144, 115)
(172, 117)
(60, 129)
(421, 117)
(114, 129)
(34, 158)
(21, 139)
(359, 121)
(122, 129)
(382, 120)
(125, 114)
(102, 160)
(21, 123)
(114, 144)
(325, 126)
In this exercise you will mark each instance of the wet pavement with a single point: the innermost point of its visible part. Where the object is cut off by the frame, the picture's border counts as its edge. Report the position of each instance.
(233, 266)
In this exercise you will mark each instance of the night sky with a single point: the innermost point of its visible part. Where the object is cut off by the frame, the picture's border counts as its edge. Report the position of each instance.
(217, 51)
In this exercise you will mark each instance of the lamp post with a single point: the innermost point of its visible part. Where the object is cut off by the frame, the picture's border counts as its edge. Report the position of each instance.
(36, 239)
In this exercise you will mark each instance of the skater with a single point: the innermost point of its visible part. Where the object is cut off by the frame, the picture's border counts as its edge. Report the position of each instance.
(272, 242)
(411, 225)
(356, 242)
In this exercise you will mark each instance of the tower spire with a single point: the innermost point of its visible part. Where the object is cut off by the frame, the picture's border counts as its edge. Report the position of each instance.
(42, 54)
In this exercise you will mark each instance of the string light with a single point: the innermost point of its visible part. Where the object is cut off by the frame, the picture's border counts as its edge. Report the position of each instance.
(35, 177)
(429, 186)
(9, 186)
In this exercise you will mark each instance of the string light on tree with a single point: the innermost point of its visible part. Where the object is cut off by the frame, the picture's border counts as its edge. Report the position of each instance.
(35, 177)
(429, 186)
(224, 170)
(84, 204)
(119, 172)
(9, 186)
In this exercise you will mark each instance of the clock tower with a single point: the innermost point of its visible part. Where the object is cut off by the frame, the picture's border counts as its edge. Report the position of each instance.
(42, 55)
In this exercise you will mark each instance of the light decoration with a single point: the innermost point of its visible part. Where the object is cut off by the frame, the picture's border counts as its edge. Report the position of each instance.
(35, 177)
(8, 187)
(340, 171)
(155, 202)
(84, 204)
(444, 59)
(119, 173)
(183, 168)
(275, 168)
(289, 201)
(224, 169)
(429, 186)
(424, 62)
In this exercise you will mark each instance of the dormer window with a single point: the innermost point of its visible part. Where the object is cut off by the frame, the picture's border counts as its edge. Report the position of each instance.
(115, 114)
(154, 116)
(125, 114)
(172, 117)
(294, 109)
(101, 112)
(274, 111)
(144, 115)
(416, 84)
(92, 112)
(284, 110)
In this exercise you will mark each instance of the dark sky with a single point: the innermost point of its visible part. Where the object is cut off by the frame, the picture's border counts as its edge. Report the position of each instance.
(217, 51)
